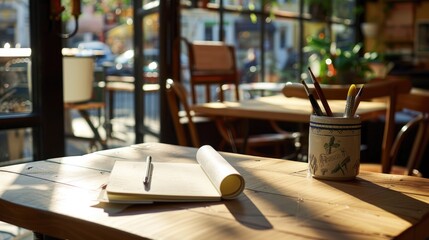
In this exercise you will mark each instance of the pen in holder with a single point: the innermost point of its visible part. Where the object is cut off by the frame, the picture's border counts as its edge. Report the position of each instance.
(334, 147)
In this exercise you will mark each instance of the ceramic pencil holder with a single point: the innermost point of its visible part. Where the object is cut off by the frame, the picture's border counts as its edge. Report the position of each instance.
(334, 147)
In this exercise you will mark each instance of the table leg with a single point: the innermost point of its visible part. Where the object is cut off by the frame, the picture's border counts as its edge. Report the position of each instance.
(303, 154)
(97, 136)
(245, 134)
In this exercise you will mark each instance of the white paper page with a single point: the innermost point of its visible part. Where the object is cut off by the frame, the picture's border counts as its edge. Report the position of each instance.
(171, 181)
(226, 179)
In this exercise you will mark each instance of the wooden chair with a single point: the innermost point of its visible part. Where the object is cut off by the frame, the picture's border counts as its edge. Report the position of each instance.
(177, 97)
(417, 101)
(386, 90)
(176, 91)
(212, 64)
(212, 67)
(78, 78)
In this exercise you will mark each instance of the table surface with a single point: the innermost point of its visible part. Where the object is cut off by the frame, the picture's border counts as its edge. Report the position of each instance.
(281, 108)
(58, 197)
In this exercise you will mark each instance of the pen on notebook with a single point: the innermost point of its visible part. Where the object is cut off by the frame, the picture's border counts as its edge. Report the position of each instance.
(147, 173)
(314, 104)
(320, 93)
(350, 101)
(357, 101)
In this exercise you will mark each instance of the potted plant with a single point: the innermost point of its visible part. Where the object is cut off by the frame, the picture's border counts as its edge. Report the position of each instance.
(339, 65)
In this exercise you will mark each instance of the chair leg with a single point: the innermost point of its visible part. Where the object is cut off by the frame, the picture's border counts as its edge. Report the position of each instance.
(419, 145)
(225, 130)
(97, 136)
(231, 140)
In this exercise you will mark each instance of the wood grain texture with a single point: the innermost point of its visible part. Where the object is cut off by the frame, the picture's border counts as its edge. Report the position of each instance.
(58, 197)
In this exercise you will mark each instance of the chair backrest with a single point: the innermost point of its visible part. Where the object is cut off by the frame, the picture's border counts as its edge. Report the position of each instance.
(212, 63)
(78, 78)
(372, 90)
(177, 97)
(387, 89)
(417, 100)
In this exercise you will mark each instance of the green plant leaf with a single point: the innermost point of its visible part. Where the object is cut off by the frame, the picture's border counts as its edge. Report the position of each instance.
(253, 18)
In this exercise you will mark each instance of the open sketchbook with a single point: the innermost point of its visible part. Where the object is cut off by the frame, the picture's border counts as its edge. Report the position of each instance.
(211, 179)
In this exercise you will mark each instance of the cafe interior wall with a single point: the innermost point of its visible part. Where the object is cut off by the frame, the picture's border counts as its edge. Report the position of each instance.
(374, 15)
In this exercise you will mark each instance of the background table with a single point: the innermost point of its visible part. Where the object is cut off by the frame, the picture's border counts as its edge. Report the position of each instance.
(58, 197)
(281, 108)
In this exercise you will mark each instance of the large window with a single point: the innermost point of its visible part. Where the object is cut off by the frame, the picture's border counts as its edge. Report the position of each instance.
(269, 42)
(270, 39)
(31, 125)
(15, 79)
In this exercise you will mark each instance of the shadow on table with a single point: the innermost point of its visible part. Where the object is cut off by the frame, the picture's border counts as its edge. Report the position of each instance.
(387, 195)
(242, 210)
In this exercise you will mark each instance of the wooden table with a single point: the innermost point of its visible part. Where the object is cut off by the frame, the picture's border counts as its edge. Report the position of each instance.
(281, 108)
(58, 197)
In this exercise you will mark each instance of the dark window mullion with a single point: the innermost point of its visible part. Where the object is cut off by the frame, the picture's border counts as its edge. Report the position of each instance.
(47, 85)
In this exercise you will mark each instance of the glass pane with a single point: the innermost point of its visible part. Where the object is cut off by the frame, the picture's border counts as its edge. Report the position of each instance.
(270, 49)
(15, 80)
(318, 10)
(344, 36)
(246, 36)
(286, 52)
(197, 24)
(344, 9)
(327, 9)
(15, 84)
(151, 48)
(151, 79)
(317, 49)
(350, 62)
(245, 5)
(15, 70)
(288, 5)
(200, 24)
(104, 34)
(15, 145)
(106, 31)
